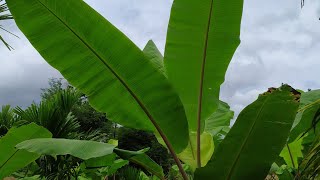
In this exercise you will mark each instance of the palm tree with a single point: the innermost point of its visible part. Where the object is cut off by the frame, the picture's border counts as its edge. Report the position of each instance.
(54, 114)
(5, 15)
(7, 119)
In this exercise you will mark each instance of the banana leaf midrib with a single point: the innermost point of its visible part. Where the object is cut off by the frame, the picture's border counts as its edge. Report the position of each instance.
(246, 139)
(200, 96)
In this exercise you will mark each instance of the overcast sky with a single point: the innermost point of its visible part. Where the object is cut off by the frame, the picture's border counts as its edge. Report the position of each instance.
(280, 44)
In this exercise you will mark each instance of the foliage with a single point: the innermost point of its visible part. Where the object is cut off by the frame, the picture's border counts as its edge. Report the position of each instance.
(307, 114)
(56, 85)
(178, 99)
(13, 159)
(7, 119)
(106, 83)
(54, 114)
(129, 173)
(310, 165)
(207, 148)
(92, 123)
(292, 152)
(135, 140)
(78, 148)
(243, 153)
(97, 154)
(92, 120)
(142, 160)
(174, 173)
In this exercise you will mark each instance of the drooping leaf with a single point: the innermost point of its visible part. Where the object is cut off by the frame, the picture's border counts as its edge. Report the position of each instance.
(310, 104)
(292, 153)
(104, 64)
(154, 55)
(201, 40)
(147, 163)
(219, 119)
(12, 159)
(141, 159)
(126, 154)
(77, 148)
(101, 161)
(189, 156)
(256, 139)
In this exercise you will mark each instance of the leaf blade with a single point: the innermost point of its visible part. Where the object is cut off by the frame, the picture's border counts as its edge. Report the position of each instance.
(79, 148)
(92, 60)
(205, 35)
(12, 159)
(251, 146)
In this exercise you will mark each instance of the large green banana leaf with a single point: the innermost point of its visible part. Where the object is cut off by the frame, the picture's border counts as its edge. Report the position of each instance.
(103, 63)
(309, 105)
(202, 38)
(12, 159)
(95, 153)
(256, 139)
(78, 148)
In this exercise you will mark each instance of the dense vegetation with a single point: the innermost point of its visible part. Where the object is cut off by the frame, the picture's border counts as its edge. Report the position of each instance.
(137, 114)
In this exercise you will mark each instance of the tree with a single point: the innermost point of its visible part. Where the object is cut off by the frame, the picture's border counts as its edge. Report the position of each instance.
(88, 118)
(135, 140)
(7, 119)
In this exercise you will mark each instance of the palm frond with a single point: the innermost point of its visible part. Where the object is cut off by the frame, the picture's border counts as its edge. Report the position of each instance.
(5, 15)
(310, 165)
(54, 114)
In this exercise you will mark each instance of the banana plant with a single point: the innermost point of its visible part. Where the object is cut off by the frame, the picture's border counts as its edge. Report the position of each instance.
(176, 95)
